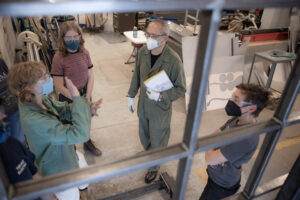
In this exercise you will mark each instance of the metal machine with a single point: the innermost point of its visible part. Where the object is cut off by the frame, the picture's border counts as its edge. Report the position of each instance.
(30, 44)
(176, 33)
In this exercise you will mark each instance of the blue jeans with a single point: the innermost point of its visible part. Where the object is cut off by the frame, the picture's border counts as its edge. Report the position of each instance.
(15, 127)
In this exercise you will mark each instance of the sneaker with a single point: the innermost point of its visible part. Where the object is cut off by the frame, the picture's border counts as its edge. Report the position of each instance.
(89, 145)
(84, 194)
(150, 176)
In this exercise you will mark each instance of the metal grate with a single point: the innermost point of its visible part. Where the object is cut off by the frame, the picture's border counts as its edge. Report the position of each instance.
(190, 145)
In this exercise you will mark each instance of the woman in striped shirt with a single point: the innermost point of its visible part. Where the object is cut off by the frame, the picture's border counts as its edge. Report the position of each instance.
(73, 61)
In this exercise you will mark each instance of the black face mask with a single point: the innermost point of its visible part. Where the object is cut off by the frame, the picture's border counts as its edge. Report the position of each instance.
(232, 109)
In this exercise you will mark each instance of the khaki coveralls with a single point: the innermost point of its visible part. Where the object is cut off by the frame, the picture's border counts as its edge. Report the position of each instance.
(155, 117)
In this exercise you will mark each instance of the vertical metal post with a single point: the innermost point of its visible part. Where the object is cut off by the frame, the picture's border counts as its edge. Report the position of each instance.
(30, 55)
(251, 68)
(286, 103)
(185, 17)
(196, 20)
(210, 23)
(36, 53)
(271, 74)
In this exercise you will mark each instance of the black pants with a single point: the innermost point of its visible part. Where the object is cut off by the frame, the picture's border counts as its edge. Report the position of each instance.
(212, 191)
(64, 98)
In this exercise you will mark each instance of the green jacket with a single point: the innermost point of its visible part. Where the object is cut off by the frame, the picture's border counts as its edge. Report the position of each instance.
(51, 140)
(168, 61)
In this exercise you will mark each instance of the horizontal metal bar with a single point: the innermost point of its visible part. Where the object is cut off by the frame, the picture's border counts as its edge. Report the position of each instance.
(132, 194)
(235, 134)
(294, 118)
(63, 7)
(267, 192)
(237, 196)
(273, 61)
(97, 172)
(270, 186)
(193, 18)
(165, 182)
(240, 133)
(241, 196)
(100, 172)
(169, 182)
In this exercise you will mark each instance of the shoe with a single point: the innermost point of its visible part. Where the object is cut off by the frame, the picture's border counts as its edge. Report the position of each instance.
(84, 194)
(89, 145)
(150, 176)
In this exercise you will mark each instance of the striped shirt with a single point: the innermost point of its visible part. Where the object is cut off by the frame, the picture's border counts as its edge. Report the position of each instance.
(74, 66)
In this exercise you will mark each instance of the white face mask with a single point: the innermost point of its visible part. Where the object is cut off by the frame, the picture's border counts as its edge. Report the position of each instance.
(152, 44)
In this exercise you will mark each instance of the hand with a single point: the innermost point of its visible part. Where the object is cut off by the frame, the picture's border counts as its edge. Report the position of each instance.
(152, 94)
(131, 105)
(71, 87)
(95, 106)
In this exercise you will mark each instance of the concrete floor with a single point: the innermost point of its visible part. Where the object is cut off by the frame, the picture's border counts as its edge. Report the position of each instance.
(115, 131)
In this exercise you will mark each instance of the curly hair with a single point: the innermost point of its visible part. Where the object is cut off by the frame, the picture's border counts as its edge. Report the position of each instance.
(22, 76)
(255, 94)
(64, 28)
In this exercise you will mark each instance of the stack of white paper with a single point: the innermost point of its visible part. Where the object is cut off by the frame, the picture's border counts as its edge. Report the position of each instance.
(159, 82)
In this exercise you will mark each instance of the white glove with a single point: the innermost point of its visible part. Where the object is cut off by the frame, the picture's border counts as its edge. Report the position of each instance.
(131, 105)
(152, 94)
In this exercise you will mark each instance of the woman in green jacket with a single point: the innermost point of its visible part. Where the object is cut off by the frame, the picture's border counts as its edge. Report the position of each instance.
(52, 128)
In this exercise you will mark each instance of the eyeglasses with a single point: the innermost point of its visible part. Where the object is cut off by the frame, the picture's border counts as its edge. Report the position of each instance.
(69, 38)
(244, 103)
(154, 36)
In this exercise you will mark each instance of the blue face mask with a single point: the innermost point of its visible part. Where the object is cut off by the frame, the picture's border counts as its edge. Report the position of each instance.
(72, 45)
(48, 86)
(3, 133)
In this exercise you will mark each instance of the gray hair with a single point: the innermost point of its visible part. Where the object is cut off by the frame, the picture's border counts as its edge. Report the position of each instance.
(164, 25)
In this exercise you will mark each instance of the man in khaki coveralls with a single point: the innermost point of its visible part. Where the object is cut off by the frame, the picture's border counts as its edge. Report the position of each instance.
(155, 109)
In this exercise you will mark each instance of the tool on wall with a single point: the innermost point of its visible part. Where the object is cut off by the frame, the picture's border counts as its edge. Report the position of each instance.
(30, 45)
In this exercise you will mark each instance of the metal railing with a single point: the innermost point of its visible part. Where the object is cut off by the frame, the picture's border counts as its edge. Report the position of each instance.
(190, 145)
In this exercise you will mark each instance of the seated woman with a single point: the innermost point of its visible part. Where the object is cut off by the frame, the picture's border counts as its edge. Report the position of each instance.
(52, 128)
